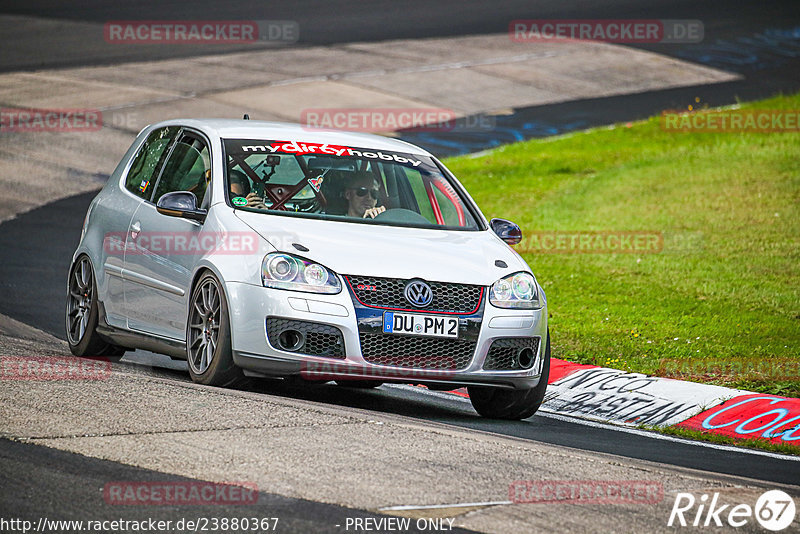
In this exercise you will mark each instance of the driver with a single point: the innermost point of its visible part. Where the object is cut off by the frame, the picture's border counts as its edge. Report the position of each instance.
(361, 193)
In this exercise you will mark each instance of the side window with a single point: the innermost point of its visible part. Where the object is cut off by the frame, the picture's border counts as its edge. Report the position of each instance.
(448, 208)
(141, 177)
(419, 195)
(187, 169)
(424, 188)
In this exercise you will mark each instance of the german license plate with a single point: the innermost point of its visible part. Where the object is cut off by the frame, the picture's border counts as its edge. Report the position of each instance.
(420, 325)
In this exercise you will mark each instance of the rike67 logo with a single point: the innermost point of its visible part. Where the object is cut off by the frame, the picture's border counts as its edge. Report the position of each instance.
(774, 510)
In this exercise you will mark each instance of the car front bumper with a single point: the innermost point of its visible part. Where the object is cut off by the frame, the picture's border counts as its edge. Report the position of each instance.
(250, 306)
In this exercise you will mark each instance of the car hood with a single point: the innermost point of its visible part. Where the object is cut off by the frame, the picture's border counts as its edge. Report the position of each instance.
(390, 251)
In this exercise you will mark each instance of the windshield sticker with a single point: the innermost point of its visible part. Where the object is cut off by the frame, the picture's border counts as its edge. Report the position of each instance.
(144, 185)
(315, 183)
(293, 147)
(239, 201)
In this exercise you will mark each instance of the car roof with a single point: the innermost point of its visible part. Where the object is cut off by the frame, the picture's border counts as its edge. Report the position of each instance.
(284, 131)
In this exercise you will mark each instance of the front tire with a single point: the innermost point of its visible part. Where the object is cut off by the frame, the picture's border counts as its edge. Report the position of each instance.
(82, 314)
(496, 403)
(208, 336)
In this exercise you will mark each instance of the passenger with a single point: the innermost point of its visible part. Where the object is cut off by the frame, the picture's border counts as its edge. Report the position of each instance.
(361, 193)
(240, 187)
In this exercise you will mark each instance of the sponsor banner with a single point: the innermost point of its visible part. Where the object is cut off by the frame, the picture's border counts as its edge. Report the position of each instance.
(200, 31)
(54, 368)
(586, 491)
(181, 493)
(753, 416)
(181, 243)
(296, 147)
(50, 120)
(615, 396)
(631, 398)
(610, 31)
(561, 368)
(591, 242)
(332, 370)
(732, 120)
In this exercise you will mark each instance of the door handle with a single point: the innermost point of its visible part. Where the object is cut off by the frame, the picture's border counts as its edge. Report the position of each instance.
(135, 229)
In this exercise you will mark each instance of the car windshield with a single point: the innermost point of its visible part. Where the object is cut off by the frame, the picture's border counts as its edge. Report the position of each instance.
(342, 183)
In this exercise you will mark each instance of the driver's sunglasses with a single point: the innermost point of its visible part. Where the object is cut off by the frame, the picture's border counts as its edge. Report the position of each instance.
(362, 191)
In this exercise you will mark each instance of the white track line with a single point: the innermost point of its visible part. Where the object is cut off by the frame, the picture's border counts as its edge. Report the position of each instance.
(440, 506)
(543, 412)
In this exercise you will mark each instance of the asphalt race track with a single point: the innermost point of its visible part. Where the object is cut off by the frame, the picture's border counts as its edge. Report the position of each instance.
(37, 246)
(33, 286)
(325, 23)
(51, 475)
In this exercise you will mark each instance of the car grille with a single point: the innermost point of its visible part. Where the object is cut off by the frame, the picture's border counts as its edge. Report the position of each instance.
(318, 339)
(502, 355)
(388, 293)
(416, 352)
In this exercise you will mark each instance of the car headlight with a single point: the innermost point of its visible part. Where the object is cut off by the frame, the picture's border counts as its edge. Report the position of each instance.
(284, 271)
(518, 290)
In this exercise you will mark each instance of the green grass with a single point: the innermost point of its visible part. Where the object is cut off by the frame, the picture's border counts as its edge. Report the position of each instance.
(721, 302)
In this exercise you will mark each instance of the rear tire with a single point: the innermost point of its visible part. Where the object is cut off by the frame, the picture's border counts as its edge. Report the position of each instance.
(496, 403)
(208, 336)
(82, 315)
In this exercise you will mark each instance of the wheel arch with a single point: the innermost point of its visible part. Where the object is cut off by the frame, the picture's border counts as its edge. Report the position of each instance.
(202, 268)
(79, 253)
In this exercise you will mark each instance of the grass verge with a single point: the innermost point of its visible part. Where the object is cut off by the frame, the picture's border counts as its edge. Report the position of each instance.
(720, 302)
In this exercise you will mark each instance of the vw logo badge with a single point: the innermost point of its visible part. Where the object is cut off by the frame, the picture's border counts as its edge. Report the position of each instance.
(418, 293)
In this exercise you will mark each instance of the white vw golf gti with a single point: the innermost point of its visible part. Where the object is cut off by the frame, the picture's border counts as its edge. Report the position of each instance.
(256, 249)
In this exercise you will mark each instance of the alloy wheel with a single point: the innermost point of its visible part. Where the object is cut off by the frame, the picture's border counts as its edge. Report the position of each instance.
(79, 302)
(204, 322)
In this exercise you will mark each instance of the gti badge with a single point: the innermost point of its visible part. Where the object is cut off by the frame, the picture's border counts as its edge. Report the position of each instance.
(418, 293)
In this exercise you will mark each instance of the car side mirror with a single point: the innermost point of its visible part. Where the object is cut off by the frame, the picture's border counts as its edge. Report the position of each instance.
(506, 230)
(181, 204)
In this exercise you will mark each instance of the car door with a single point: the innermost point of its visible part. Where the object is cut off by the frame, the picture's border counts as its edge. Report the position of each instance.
(116, 212)
(161, 251)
